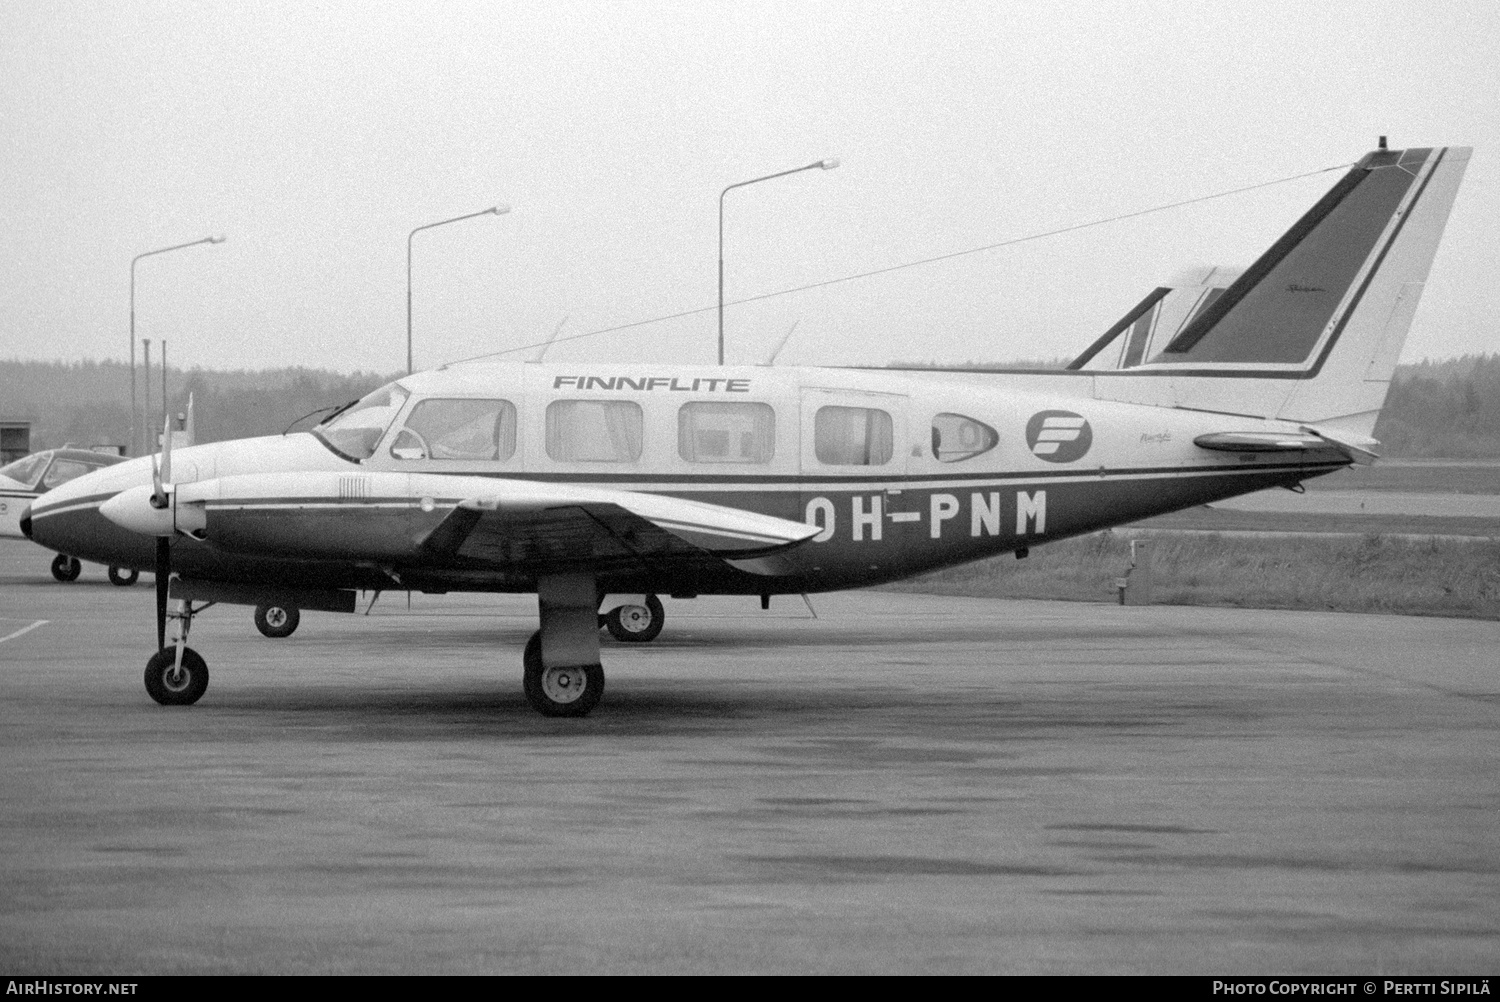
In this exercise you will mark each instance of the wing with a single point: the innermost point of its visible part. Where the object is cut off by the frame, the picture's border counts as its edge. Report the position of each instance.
(545, 527)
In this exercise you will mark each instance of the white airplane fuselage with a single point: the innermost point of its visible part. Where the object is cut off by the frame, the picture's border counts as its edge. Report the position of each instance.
(912, 472)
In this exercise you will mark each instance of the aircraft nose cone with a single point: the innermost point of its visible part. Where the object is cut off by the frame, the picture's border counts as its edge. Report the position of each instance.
(26, 522)
(133, 510)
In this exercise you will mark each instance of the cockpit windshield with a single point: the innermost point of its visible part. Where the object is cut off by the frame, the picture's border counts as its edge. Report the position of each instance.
(357, 431)
(25, 470)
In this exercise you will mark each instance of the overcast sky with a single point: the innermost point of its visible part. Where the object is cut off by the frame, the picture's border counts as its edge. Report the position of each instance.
(315, 137)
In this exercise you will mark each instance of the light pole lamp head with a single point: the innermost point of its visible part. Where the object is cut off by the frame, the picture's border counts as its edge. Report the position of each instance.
(828, 164)
(500, 210)
(217, 238)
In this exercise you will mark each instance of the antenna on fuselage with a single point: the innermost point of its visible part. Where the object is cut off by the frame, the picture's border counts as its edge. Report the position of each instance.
(784, 340)
(551, 340)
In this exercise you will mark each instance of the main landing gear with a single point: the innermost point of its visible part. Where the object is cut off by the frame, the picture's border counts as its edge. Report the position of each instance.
(123, 577)
(277, 619)
(562, 690)
(562, 676)
(635, 624)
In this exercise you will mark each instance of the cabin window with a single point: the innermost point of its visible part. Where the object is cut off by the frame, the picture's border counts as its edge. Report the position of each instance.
(458, 429)
(712, 432)
(63, 470)
(853, 436)
(956, 438)
(357, 431)
(594, 431)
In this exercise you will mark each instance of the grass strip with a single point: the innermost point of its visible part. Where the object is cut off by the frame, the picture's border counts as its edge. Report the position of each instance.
(1354, 573)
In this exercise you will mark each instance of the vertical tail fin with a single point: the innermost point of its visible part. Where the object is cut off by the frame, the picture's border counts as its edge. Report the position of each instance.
(1328, 307)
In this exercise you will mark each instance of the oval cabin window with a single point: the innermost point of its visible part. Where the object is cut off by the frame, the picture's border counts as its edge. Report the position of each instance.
(956, 438)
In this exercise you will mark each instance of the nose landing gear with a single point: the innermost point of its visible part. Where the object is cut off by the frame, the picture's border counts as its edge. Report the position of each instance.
(177, 675)
(174, 684)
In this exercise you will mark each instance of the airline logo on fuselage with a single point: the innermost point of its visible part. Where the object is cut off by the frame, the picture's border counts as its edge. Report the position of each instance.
(715, 384)
(1058, 436)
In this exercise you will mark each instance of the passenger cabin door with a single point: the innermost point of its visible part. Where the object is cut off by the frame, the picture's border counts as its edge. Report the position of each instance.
(855, 447)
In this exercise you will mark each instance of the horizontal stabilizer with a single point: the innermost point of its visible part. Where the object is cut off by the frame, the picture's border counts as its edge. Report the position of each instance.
(1259, 441)
(1307, 439)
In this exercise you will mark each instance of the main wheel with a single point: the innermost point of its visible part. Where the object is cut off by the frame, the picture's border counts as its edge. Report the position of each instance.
(171, 687)
(276, 620)
(636, 624)
(559, 692)
(123, 576)
(66, 568)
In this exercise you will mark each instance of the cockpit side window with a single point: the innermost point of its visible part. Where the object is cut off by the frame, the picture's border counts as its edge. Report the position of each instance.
(714, 432)
(458, 429)
(956, 438)
(357, 431)
(595, 431)
(853, 436)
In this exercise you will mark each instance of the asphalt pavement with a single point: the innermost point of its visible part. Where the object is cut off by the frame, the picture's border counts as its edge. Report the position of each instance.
(903, 784)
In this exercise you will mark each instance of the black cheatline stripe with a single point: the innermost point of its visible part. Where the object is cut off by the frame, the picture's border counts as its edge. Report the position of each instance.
(750, 483)
(73, 503)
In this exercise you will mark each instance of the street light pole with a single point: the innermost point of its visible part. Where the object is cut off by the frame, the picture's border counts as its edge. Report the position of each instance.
(821, 164)
(498, 210)
(133, 444)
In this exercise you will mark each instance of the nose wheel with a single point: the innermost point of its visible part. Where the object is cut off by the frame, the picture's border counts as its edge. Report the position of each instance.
(562, 690)
(177, 675)
(66, 568)
(174, 683)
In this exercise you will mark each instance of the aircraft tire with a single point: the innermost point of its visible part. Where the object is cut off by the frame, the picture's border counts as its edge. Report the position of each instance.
(636, 624)
(277, 620)
(182, 691)
(66, 568)
(124, 577)
(557, 692)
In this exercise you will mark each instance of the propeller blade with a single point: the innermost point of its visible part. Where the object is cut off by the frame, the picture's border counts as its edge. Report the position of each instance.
(163, 574)
(166, 453)
(166, 423)
(155, 472)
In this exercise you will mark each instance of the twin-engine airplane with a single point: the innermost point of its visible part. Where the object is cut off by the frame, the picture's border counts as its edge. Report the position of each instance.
(593, 479)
